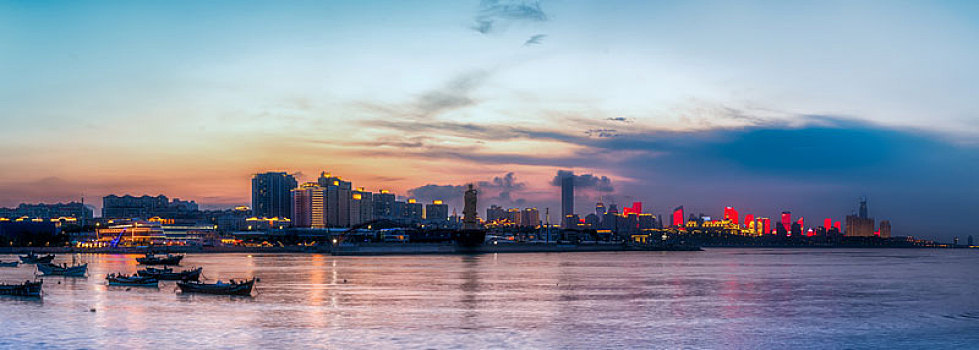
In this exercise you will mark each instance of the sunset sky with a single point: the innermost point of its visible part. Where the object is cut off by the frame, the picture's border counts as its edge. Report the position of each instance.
(767, 106)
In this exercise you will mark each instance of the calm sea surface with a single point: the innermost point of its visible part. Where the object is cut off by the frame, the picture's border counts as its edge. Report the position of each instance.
(719, 298)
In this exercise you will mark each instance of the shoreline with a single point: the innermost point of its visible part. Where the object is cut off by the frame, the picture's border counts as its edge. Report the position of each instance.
(412, 249)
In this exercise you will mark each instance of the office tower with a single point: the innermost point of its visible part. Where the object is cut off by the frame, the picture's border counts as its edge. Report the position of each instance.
(338, 197)
(749, 221)
(567, 198)
(828, 223)
(801, 222)
(600, 209)
(271, 194)
(731, 214)
(678, 216)
(436, 212)
(309, 206)
(860, 225)
(787, 220)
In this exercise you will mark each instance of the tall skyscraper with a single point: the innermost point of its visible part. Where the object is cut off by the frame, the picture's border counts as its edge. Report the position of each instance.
(863, 208)
(361, 206)
(567, 198)
(271, 194)
(787, 221)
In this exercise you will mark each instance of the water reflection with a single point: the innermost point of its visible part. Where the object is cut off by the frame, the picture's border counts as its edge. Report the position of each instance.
(713, 299)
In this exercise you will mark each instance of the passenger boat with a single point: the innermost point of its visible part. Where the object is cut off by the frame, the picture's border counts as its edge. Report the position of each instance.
(132, 281)
(219, 288)
(167, 274)
(153, 259)
(63, 269)
(8, 264)
(32, 258)
(28, 289)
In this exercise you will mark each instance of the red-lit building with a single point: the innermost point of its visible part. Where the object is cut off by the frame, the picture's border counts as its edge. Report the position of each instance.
(636, 208)
(678, 216)
(828, 224)
(731, 214)
(787, 221)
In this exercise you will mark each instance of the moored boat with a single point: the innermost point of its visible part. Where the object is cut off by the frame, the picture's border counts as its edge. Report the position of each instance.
(153, 259)
(219, 288)
(28, 289)
(63, 269)
(132, 281)
(32, 258)
(168, 274)
(8, 264)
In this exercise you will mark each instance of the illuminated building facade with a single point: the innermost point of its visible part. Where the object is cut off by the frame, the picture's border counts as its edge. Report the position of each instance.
(885, 229)
(272, 194)
(786, 220)
(309, 206)
(531, 217)
(731, 214)
(73, 212)
(678, 217)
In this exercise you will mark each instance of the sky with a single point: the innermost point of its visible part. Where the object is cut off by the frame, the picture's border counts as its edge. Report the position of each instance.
(764, 106)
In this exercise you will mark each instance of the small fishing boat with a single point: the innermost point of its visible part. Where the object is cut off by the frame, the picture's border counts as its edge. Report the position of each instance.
(8, 264)
(153, 259)
(219, 288)
(167, 274)
(63, 269)
(28, 289)
(32, 258)
(132, 281)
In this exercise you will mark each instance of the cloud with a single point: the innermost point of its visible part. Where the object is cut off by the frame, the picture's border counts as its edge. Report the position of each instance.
(535, 40)
(500, 190)
(589, 181)
(496, 13)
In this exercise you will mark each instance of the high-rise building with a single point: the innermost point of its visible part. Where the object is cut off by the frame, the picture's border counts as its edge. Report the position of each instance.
(361, 206)
(271, 194)
(515, 216)
(636, 208)
(827, 223)
(859, 227)
(731, 214)
(384, 205)
(495, 213)
(863, 208)
(414, 211)
(531, 217)
(787, 221)
(567, 198)
(678, 216)
(309, 206)
(885, 229)
(436, 212)
(81, 213)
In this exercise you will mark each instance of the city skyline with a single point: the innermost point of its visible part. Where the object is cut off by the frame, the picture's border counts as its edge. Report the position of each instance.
(761, 107)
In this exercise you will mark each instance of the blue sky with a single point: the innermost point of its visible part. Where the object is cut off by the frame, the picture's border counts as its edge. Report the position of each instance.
(767, 106)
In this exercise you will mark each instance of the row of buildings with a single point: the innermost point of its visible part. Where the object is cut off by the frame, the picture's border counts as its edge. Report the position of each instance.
(631, 220)
(331, 201)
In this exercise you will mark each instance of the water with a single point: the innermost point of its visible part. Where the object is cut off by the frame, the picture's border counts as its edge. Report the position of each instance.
(719, 298)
